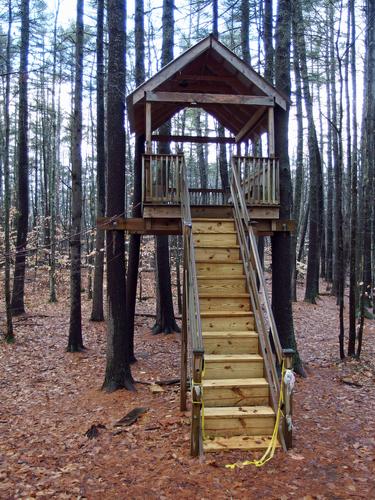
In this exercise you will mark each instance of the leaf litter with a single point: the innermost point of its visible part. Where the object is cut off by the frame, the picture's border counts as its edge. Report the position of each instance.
(51, 400)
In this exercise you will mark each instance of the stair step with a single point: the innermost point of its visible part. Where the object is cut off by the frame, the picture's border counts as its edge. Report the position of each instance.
(221, 284)
(244, 443)
(215, 239)
(215, 321)
(218, 254)
(230, 366)
(237, 421)
(211, 269)
(236, 392)
(234, 302)
(229, 342)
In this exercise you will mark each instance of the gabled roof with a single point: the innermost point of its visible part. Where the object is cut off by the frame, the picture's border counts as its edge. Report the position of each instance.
(206, 68)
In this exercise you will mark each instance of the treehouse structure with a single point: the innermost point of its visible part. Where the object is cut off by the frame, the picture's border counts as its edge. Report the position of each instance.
(230, 347)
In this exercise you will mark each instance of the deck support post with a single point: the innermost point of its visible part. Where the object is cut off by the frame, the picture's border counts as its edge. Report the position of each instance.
(196, 398)
(288, 401)
(148, 128)
(271, 132)
(184, 333)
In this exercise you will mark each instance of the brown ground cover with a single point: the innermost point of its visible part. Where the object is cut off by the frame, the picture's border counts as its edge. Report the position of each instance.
(50, 398)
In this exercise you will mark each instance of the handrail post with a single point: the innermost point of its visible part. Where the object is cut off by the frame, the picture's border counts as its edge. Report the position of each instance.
(196, 397)
(184, 333)
(288, 400)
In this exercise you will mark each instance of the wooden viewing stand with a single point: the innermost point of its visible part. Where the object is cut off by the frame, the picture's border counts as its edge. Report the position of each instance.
(227, 317)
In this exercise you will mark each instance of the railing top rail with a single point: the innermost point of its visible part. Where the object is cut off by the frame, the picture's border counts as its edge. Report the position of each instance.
(252, 157)
(258, 267)
(193, 296)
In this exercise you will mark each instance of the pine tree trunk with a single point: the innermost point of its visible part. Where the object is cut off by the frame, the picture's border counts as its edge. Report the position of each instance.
(165, 320)
(97, 313)
(117, 374)
(354, 192)
(9, 334)
(18, 296)
(315, 167)
(75, 342)
(281, 242)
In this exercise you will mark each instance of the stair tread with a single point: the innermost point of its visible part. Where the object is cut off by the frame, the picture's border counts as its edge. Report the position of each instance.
(224, 314)
(232, 357)
(243, 443)
(202, 219)
(236, 382)
(223, 295)
(208, 261)
(228, 277)
(238, 411)
(229, 335)
(216, 245)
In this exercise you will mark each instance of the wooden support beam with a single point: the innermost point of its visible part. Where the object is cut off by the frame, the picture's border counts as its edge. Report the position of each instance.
(271, 132)
(140, 225)
(148, 128)
(197, 98)
(250, 124)
(193, 138)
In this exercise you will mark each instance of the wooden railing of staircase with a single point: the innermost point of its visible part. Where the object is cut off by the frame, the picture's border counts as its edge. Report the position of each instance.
(192, 340)
(260, 302)
(259, 178)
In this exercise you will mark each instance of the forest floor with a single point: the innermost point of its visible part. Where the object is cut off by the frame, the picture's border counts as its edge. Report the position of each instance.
(51, 398)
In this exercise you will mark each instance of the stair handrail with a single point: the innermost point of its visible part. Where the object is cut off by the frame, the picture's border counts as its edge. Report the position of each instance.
(256, 284)
(192, 327)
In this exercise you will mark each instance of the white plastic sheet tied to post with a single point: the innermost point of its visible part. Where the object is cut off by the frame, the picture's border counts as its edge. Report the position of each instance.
(289, 381)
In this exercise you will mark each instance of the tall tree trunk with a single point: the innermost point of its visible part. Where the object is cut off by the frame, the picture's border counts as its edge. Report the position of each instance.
(53, 186)
(165, 320)
(9, 334)
(268, 47)
(18, 296)
(354, 190)
(117, 373)
(369, 153)
(299, 174)
(315, 167)
(75, 342)
(135, 239)
(281, 242)
(97, 313)
(329, 217)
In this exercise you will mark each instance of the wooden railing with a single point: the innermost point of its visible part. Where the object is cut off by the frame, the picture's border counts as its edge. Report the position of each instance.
(259, 179)
(192, 341)
(261, 306)
(162, 178)
(208, 196)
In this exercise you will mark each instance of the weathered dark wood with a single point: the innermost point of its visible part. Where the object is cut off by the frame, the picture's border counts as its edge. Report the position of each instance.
(199, 98)
(193, 138)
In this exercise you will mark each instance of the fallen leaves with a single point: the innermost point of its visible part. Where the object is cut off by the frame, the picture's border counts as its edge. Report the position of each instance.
(51, 399)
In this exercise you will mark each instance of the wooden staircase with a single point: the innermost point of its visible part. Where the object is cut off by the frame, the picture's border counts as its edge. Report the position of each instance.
(237, 411)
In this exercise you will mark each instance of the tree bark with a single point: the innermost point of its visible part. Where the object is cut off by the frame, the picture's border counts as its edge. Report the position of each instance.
(281, 242)
(117, 374)
(9, 334)
(75, 342)
(18, 296)
(315, 167)
(165, 320)
(97, 313)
